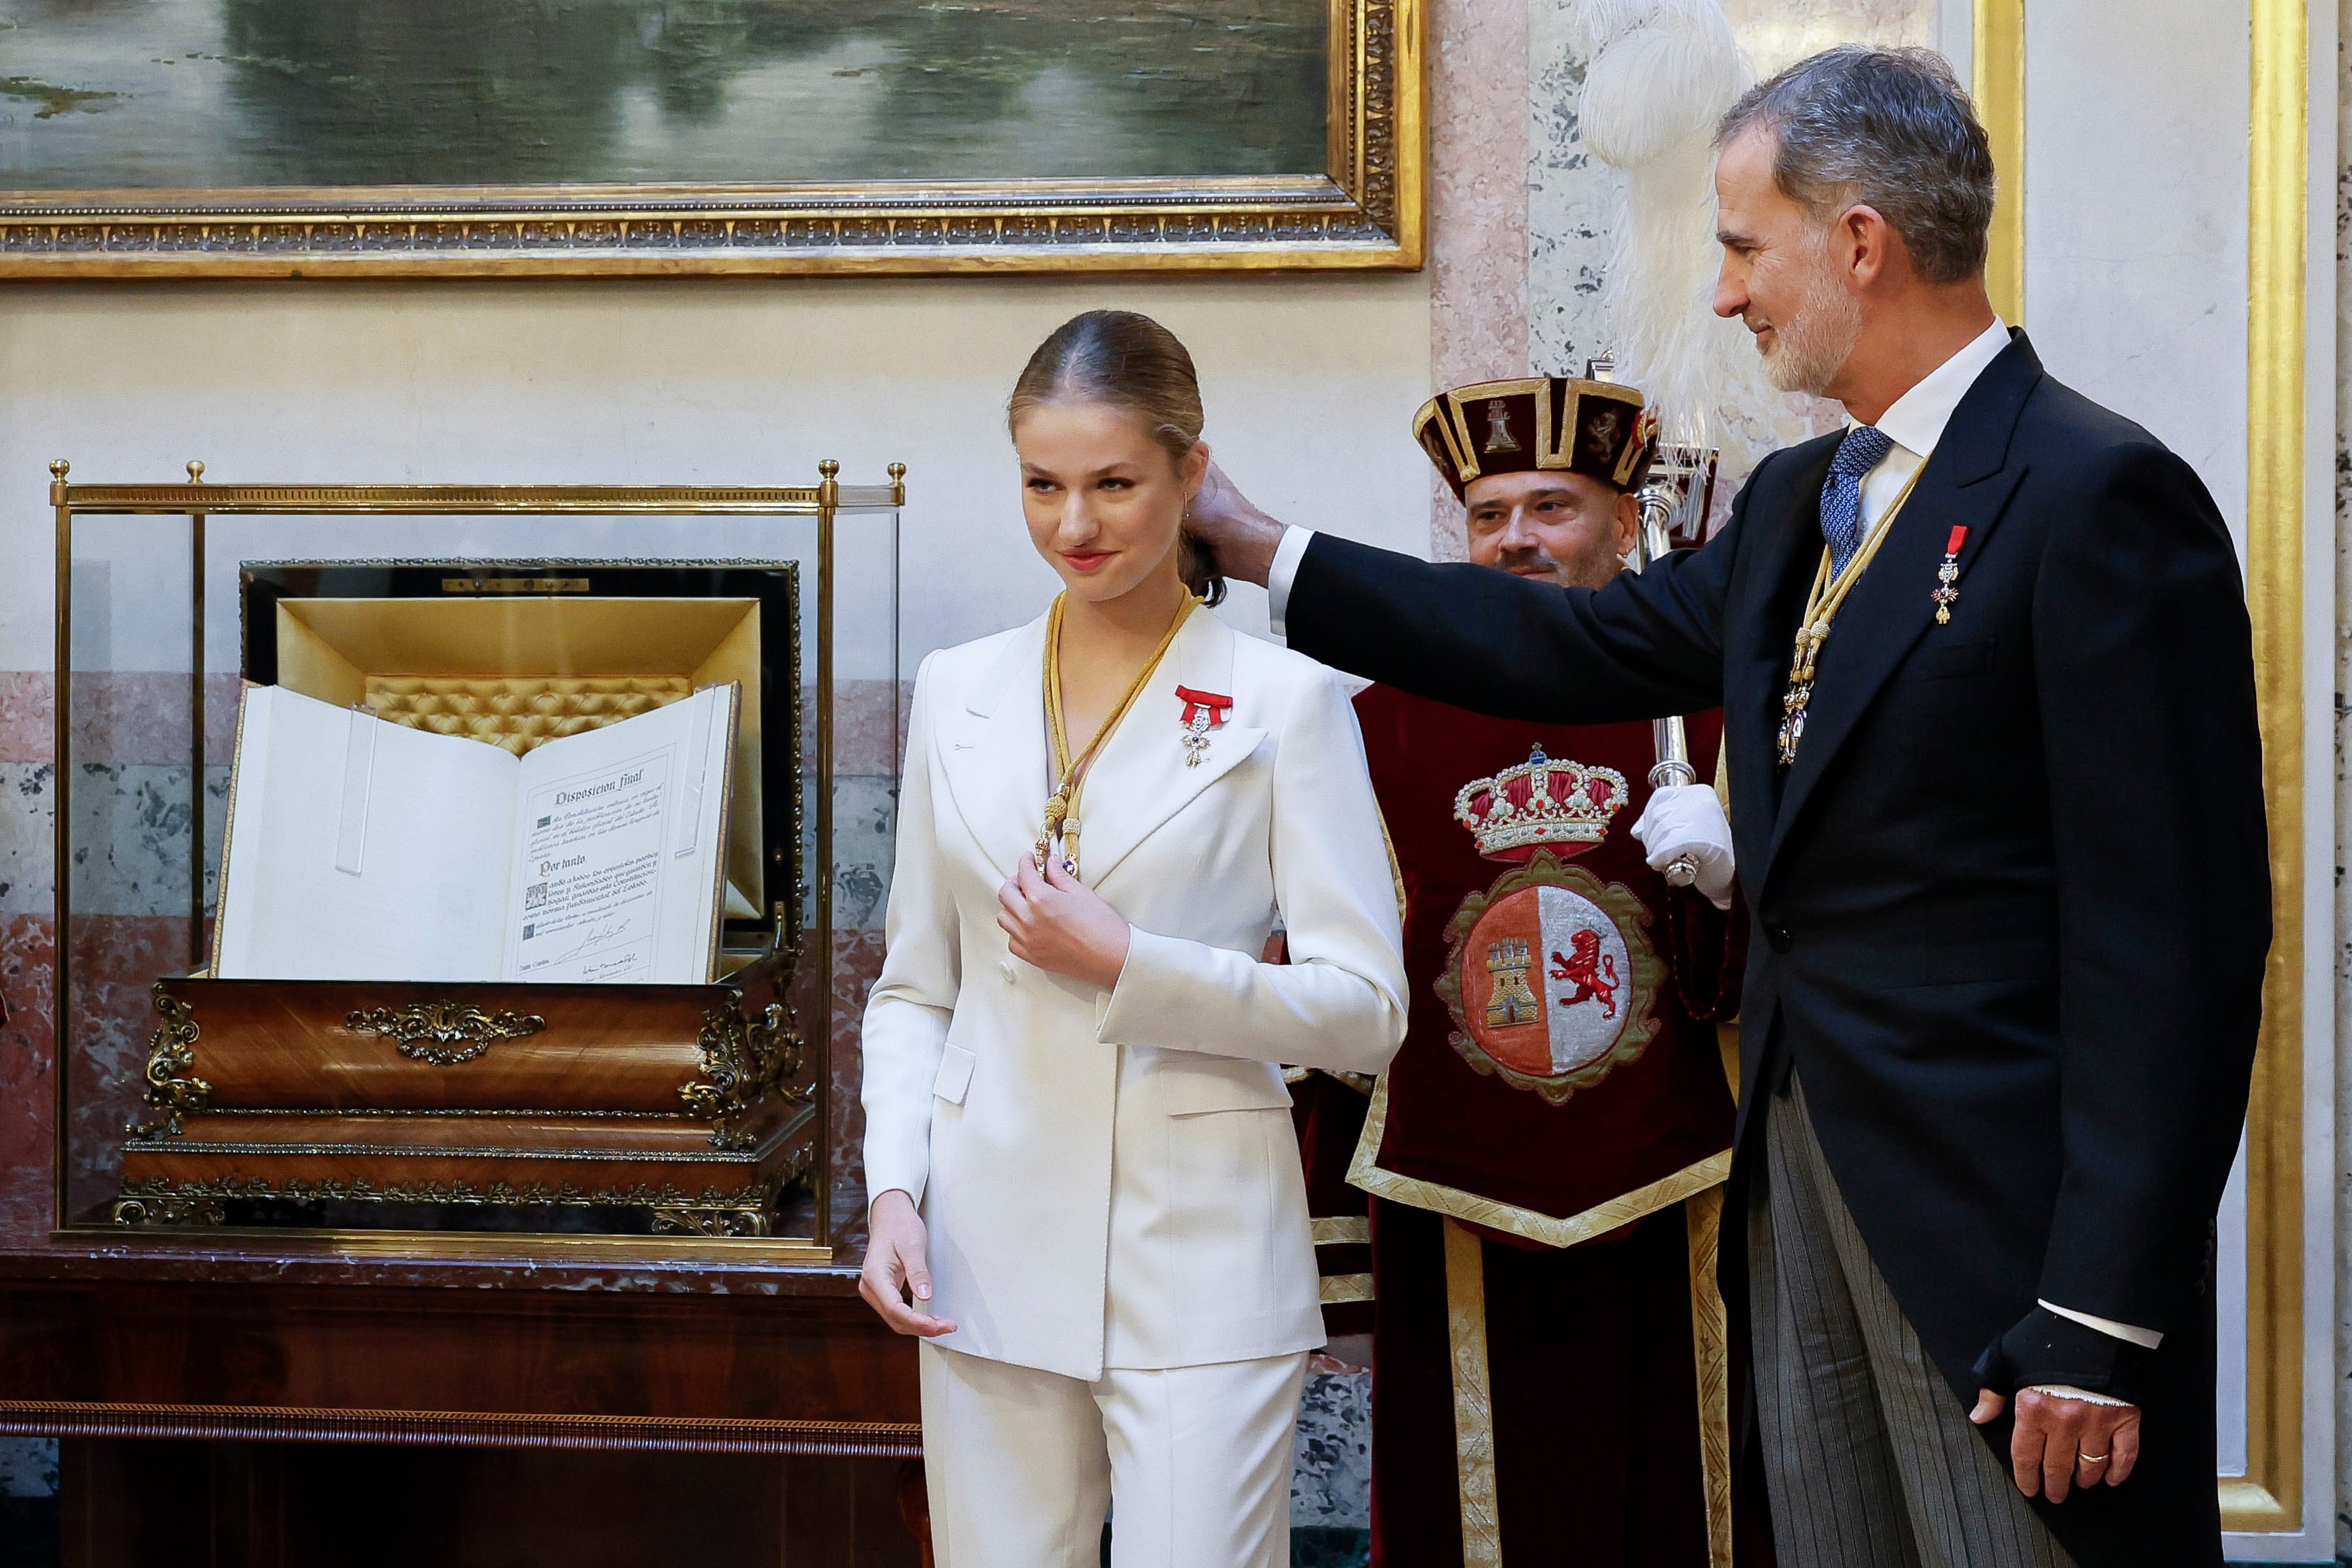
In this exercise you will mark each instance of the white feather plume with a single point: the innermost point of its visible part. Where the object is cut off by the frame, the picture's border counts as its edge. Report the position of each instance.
(1660, 73)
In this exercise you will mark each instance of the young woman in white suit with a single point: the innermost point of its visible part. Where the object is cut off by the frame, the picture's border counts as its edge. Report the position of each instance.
(1088, 1200)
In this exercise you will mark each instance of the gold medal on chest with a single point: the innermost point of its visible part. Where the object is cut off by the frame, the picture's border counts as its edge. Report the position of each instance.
(1822, 605)
(1059, 834)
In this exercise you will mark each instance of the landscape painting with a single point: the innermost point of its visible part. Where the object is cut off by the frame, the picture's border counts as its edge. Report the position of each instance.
(627, 110)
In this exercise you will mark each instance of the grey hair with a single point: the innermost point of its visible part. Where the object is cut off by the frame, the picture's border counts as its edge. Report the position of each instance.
(1888, 129)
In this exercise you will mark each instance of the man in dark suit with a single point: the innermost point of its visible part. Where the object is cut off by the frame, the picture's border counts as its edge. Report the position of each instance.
(1999, 816)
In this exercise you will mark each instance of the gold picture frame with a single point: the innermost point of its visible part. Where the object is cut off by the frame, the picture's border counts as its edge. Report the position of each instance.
(1364, 209)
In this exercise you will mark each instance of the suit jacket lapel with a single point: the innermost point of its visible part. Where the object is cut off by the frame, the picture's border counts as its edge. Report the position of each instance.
(1968, 479)
(995, 751)
(1140, 780)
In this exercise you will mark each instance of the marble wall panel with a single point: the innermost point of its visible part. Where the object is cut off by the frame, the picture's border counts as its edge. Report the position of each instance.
(1776, 33)
(864, 847)
(1477, 213)
(120, 716)
(131, 842)
(116, 959)
(28, 1077)
(27, 842)
(856, 964)
(141, 716)
(869, 728)
(1573, 198)
(1331, 1474)
(131, 836)
(27, 716)
(28, 1467)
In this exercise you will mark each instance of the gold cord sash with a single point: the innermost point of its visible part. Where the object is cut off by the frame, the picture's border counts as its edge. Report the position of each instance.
(1070, 776)
(1821, 608)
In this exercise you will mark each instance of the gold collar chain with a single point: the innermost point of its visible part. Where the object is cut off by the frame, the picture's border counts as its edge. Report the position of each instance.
(1061, 806)
(1822, 606)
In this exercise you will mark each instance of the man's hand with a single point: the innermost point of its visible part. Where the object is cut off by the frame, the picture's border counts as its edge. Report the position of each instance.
(2060, 1444)
(1054, 921)
(1689, 819)
(895, 1269)
(1243, 538)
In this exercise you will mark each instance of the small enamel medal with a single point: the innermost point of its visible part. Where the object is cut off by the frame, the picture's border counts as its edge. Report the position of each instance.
(1947, 577)
(1203, 711)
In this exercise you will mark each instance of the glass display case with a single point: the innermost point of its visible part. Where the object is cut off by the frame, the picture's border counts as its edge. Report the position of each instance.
(365, 1107)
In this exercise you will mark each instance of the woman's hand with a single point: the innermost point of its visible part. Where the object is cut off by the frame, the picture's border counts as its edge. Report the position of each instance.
(895, 1268)
(1062, 925)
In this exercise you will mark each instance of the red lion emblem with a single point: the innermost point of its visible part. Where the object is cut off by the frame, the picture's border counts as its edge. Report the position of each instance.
(1593, 973)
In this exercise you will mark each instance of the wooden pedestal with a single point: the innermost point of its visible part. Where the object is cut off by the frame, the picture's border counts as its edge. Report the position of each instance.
(693, 1105)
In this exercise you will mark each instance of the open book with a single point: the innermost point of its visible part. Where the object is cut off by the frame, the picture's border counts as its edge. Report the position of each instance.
(360, 849)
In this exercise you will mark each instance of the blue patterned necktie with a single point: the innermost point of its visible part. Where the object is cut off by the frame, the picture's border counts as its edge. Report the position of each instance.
(1857, 455)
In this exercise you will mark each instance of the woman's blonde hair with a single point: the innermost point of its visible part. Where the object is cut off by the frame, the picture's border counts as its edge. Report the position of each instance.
(1127, 362)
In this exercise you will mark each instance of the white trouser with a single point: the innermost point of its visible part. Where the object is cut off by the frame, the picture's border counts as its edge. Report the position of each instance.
(1021, 1463)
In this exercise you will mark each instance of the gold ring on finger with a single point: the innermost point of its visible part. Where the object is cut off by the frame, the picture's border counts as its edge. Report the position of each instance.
(2092, 1459)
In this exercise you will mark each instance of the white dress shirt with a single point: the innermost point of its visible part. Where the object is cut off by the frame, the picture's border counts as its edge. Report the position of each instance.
(1915, 423)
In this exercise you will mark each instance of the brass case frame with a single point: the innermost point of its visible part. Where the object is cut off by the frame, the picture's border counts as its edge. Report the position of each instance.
(196, 501)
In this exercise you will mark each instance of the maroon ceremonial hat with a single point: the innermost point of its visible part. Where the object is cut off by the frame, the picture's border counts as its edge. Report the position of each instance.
(1556, 423)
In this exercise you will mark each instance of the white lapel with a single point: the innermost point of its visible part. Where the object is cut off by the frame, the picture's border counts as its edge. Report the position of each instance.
(1140, 780)
(995, 752)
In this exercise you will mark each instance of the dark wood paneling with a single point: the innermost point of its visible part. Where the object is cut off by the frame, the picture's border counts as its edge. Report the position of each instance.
(263, 1505)
(707, 1359)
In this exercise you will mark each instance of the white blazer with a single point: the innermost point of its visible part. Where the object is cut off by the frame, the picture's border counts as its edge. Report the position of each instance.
(1110, 1178)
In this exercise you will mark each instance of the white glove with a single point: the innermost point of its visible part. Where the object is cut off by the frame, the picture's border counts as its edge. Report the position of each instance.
(1687, 820)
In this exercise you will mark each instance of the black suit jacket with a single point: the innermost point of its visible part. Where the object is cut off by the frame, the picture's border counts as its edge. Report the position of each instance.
(2011, 904)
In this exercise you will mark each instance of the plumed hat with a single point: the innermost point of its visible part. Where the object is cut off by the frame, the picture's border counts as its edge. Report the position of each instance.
(1552, 422)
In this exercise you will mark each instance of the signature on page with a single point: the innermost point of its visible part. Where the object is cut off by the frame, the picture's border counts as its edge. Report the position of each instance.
(598, 937)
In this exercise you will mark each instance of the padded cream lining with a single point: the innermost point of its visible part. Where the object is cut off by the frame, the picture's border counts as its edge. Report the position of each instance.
(520, 712)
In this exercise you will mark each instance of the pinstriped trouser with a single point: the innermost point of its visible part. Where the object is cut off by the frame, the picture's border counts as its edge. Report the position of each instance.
(1869, 1457)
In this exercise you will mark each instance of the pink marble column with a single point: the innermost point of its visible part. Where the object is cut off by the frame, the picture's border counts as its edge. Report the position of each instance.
(1478, 94)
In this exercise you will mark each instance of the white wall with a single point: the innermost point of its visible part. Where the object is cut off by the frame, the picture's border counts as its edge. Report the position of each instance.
(2136, 219)
(1310, 383)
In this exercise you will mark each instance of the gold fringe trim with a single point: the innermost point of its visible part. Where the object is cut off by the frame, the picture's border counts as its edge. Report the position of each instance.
(1363, 1171)
(1339, 1289)
(1341, 1230)
(1473, 1409)
(1711, 1350)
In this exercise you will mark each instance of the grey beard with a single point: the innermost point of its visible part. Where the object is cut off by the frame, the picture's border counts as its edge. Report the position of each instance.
(1818, 340)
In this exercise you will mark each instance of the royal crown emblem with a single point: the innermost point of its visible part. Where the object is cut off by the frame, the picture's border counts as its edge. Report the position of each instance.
(1540, 804)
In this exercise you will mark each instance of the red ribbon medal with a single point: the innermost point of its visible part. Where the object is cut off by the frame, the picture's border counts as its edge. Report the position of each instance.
(1203, 711)
(1947, 577)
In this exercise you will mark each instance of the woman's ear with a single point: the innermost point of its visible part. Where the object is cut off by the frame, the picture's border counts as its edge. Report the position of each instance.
(1195, 468)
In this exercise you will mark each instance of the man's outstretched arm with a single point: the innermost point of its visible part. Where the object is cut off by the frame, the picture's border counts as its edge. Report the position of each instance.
(1643, 646)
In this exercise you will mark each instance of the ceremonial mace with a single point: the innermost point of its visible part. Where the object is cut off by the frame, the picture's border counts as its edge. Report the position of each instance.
(1680, 477)
(1660, 495)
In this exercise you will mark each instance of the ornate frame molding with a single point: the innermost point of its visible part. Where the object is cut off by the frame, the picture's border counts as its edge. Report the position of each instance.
(2270, 1496)
(1364, 210)
(1998, 84)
